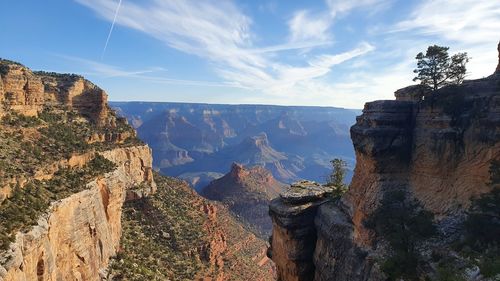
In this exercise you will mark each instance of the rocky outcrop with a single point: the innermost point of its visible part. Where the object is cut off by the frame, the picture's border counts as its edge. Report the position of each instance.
(78, 235)
(80, 228)
(294, 234)
(436, 147)
(246, 192)
(28, 92)
(498, 66)
(193, 238)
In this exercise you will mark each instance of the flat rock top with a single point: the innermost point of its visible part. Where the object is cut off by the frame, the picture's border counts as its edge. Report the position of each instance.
(303, 192)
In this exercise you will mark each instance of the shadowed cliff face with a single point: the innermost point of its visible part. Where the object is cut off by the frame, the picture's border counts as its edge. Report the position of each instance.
(498, 66)
(435, 147)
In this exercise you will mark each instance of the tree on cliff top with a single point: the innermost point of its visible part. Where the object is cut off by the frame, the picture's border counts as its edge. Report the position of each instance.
(436, 68)
(336, 178)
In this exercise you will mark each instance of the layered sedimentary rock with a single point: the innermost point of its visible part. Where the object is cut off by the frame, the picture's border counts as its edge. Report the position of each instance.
(247, 192)
(202, 139)
(80, 230)
(27, 92)
(437, 147)
(79, 234)
(294, 234)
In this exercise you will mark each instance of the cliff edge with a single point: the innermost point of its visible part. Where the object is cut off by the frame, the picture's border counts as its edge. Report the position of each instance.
(426, 163)
(67, 165)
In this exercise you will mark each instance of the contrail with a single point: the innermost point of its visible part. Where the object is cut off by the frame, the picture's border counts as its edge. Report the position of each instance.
(111, 29)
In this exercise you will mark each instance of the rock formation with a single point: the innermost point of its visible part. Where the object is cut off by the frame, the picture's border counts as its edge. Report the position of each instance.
(437, 148)
(79, 234)
(246, 192)
(498, 66)
(294, 234)
(189, 140)
(70, 168)
(27, 92)
(80, 230)
(195, 238)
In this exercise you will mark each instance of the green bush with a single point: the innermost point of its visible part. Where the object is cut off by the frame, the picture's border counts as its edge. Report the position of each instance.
(27, 204)
(403, 223)
(482, 227)
(19, 120)
(447, 272)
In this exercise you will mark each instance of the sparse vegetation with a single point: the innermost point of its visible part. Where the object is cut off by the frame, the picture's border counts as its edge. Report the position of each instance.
(482, 228)
(403, 223)
(57, 74)
(170, 236)
(27, 204)
(336, 180)
(18, 120)
(29, 143)
(161, 238)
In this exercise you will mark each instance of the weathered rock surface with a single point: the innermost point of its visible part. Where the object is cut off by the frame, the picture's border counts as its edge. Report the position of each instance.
(28, 92)
(436, 146)
(247, 192)
(498, 66)
(78, 235)
(294, 234)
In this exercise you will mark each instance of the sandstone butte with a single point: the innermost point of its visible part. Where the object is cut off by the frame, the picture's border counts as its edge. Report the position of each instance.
(247, 192)
(437, 147)
(78, 234)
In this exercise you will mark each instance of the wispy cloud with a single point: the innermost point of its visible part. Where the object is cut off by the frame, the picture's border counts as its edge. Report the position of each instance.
(305, 25)
(308, 25)
(467, 25)
(152, 74)
(220, 33)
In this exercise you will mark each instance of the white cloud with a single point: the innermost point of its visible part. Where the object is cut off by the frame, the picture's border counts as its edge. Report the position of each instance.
(306, 25)
(339, 7)
(102, 70)
(219, 32)
(467, 25)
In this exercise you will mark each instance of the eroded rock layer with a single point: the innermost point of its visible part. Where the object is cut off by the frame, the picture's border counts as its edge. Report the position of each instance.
(27, 92)
(79, 234)
(439, 149)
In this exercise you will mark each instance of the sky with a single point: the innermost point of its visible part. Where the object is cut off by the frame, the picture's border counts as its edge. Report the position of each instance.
(339, 53)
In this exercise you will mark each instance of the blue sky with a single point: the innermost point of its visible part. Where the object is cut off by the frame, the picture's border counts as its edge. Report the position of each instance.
(323, 52)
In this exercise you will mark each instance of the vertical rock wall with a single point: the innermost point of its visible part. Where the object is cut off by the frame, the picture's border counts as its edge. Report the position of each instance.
(75, 240)
(437, 147)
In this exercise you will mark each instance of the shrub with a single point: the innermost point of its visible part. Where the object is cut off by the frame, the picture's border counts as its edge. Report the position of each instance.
(403, 223)
(27, 204)
(482, 227)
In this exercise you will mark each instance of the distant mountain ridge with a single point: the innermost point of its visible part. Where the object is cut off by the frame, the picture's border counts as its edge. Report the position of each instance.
(198, 141)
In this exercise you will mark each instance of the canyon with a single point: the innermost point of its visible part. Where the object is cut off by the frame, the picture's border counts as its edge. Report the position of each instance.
(72, 174)
(199, 142)
(428, 157)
